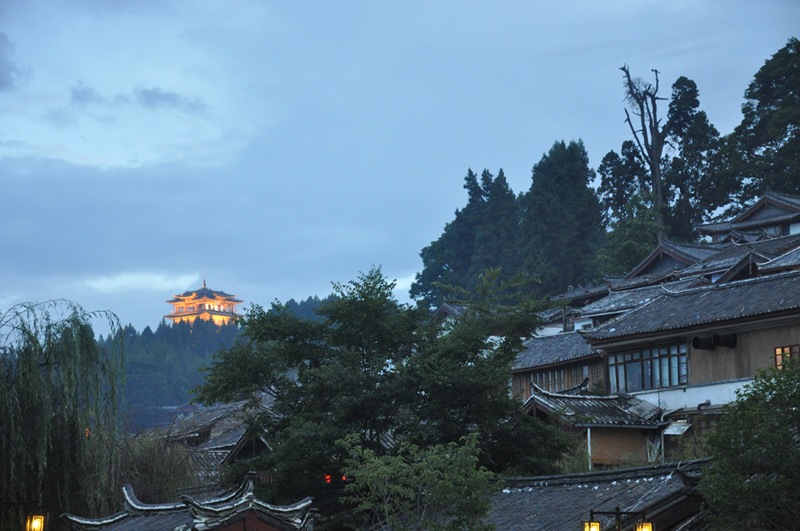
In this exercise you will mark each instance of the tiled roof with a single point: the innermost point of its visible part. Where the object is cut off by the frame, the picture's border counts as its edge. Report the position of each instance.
(684, 252)
(789, 260)
(615, 283)
(699, 306)
(587, 410)
(733, 254)
(564, 502)
(620, 301)
(204, 418)
(204, 292)
(195, 514)
(741, 222)
(545, 350)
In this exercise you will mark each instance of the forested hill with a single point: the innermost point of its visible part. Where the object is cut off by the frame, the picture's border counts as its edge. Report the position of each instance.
(162, 366)
(574, 224)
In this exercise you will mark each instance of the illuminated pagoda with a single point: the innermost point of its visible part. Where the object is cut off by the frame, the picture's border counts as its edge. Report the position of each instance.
(205, 304)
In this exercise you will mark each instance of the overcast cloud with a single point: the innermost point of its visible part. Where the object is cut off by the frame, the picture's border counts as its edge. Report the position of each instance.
(274, 147)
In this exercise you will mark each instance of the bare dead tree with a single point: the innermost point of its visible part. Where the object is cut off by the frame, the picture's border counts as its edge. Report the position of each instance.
(649, 134)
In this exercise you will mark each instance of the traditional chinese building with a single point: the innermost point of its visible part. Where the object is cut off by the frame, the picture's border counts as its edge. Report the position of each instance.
(205, 304)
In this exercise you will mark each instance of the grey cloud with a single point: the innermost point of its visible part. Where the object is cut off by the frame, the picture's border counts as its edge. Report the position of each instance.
(81, 94)
(156, 98)
(8, 68)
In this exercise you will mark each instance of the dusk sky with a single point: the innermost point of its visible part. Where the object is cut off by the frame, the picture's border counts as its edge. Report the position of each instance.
(275, 146)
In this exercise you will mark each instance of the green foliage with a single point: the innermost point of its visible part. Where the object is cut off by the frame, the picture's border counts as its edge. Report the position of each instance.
(622, 177)
(575, 461)
(162, 366)
(345, 379)
(752, 479)
(156, 468)
(561, 224)
(440, 487)
(58, 411)
(631, 238)
(695, 186)
(481, 236)
(689, 447)
(457, 380)
(306, 309)
(766, 145)
(373, 368)
(677, 163)
(551, 232)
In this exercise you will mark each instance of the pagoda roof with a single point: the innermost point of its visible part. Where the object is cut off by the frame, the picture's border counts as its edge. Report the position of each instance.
(204, 293)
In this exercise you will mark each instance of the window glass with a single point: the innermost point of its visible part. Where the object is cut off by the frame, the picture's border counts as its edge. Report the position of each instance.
(664, 372)
(656, 374)
(673, 370)
(683, 377)
(633, 376)
(612, 379)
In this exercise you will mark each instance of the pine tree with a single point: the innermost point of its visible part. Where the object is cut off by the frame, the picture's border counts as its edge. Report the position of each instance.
(561, 225)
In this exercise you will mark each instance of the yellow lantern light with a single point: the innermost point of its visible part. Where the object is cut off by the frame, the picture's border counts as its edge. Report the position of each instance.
(591, 526)
(35, 523)
(644, 526)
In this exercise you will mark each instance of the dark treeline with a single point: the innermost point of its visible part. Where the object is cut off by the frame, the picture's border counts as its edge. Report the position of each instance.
(677, 171)
(163, 366)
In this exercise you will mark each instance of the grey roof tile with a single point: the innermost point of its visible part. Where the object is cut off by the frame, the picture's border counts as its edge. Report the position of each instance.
(545, 350)
(787, 260)
(563, 502)
(587, 410)
(698, 306)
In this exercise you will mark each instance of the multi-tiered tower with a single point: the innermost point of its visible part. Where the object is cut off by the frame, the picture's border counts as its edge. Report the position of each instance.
(205, 304)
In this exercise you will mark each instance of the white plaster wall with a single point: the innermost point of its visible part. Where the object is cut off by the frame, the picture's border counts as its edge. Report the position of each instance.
(692, 395)
(549, 330)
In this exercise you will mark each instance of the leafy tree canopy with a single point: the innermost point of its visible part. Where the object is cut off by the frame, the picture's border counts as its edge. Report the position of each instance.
(676, 163)
(767, 142)
(439, 487)
(751, 482)
(481, 236)
(377, 369)
(561, 226)
(58, 411)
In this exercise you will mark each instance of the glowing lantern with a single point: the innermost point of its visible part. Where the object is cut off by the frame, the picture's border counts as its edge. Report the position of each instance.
(35, 523)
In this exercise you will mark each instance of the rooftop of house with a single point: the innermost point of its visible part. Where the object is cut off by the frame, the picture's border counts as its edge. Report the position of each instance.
(588, 293)
(674, 310)
(564, 502)
(788, 260)
(190, 513)
(682, 252)
(619, 301)
(732, 254)
(546, 350)
(583, 409)
(771, 208)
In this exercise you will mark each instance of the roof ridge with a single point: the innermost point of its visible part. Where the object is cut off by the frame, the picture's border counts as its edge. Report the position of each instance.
(732, 284)
(606, 475)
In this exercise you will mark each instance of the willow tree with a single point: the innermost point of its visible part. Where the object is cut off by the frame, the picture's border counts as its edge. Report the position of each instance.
(58, 412)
